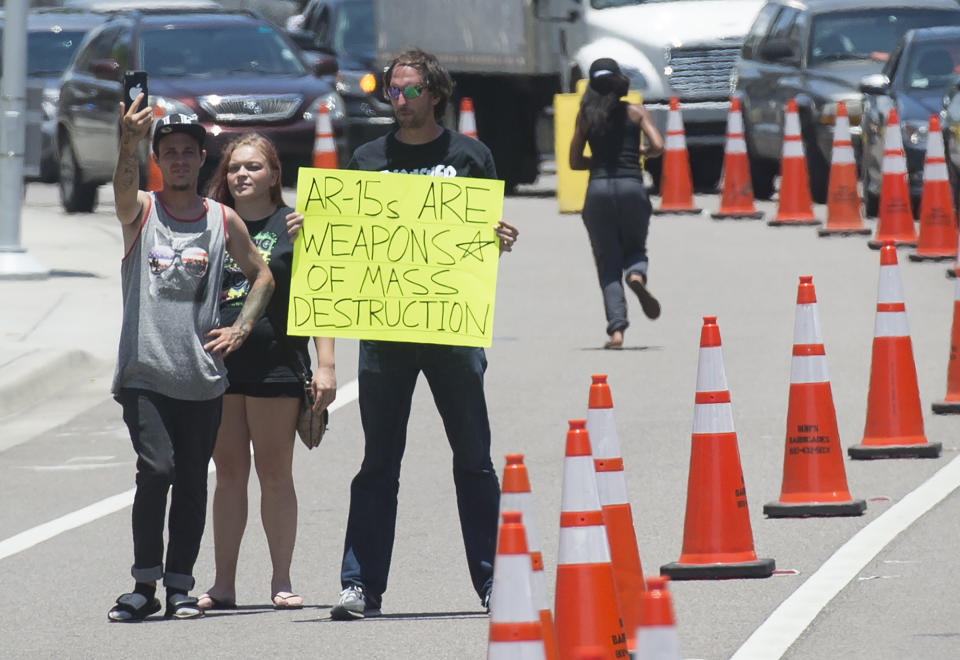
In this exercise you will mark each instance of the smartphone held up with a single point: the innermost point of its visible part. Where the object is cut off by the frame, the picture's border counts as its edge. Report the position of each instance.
(134, 84)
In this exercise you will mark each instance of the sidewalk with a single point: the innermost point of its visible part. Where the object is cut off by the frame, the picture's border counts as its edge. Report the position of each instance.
(58, 337)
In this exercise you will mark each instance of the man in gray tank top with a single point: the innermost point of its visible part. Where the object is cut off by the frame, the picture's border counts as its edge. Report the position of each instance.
(170, 375)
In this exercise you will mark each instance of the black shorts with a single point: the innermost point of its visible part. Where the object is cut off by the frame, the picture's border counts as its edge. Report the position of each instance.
(267, 390)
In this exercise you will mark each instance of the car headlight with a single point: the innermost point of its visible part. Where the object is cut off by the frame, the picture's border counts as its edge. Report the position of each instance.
(49, 103)
(854, 107)
(170, 106)
(915, 132)
(332, 101)
(356, 83)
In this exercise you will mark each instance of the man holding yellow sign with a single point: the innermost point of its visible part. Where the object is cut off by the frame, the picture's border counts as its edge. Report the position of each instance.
(408, 264)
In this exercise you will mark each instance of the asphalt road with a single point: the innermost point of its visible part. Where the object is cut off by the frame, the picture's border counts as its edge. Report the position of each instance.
(548, 332)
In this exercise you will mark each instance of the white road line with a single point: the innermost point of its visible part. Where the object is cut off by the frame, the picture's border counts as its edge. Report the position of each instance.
(791, 618)
(31, 537)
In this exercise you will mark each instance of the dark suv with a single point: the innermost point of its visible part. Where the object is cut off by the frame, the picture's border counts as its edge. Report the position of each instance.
(233, 70)
(817, 51)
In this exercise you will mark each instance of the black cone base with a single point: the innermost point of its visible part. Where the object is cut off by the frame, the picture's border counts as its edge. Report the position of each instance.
(926, 450)
(807, 509)
(946, 407)
(760, 568)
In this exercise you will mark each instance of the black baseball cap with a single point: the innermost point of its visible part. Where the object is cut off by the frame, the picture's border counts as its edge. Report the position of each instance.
(606, 77)
(178, 123)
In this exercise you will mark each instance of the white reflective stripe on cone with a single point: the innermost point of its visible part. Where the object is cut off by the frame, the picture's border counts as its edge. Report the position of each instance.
(809, 369)
(843, 154)
(579, 485)
(841, 132)
(713, 418)
(511, 600)
(602, 427)
(890, 289)
(735, 123)
(935, 171)
(806, 325)
(583, 545)
(538, 582)
(791, 125)
(891, 324)
(736, 145)
(710, 374)
(792, 149)
(676, 142)
(657, 643)
(891, 138)
(612, 487)
(894, 164)
(523, 503)
(516, 651)
(324, 143)
(674, 121)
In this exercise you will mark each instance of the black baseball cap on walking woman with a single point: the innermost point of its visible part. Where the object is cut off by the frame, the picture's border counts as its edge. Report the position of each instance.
(605, 77)
(178, 124)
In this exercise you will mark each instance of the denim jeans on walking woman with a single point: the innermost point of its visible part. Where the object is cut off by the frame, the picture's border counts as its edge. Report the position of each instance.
(174, 440)
(388, 374)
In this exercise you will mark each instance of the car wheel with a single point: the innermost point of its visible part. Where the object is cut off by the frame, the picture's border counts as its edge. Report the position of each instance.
(654, 166)
(762, 174)
(75, 195)
(706, 164)
(871, 201)
(818, 170)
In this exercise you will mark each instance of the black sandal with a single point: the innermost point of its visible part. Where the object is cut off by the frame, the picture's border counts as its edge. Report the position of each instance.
(133, 607)
(182, 606)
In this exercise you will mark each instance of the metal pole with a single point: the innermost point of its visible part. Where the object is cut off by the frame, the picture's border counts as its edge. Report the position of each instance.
(15, 263)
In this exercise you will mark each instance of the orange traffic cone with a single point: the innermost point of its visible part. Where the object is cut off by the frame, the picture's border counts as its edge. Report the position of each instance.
(617, 515)
(894, 426)
(814, 479)
(676, 182)
(938, 231)
(468, 120)
(154, 176)
(657, 635)
(951, 403)
(795, 207)
(843, 199)
(515, 630)
(895, 220)
(586, 611)
(717, 538)
(736, 199)
(324, 148)
(515, 496)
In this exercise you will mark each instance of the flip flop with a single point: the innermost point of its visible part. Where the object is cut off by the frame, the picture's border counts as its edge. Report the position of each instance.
(133, 607)
(281, 601)
(215, 603)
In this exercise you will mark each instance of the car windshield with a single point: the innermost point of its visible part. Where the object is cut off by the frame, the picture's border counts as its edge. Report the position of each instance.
(932, 64)
(217, 50)
(352, 30)
(869, 33)
(49, 52)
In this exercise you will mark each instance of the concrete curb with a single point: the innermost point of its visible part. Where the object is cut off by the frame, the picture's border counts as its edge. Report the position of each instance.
(27, 376)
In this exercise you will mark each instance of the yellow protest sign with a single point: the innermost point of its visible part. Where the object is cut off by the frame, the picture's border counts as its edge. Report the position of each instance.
(395, 257)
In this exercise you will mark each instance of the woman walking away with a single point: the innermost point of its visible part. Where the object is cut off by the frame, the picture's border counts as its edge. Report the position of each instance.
(616, 211)
(262, 403)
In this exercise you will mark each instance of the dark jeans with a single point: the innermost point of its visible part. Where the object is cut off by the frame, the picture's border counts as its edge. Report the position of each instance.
(174, 440)
(616, 213)
(388, 374)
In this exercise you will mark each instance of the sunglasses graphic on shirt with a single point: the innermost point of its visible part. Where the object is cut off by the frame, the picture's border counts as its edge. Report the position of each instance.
(194, 260)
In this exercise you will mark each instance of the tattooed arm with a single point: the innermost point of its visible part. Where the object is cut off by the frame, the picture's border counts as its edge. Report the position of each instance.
(129, 200)
(223, 341)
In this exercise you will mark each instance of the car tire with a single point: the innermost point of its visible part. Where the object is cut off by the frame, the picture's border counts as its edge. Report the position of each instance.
(818, 170)
(762, 174)
(871, 204)
(76, 196)
(654, 167)
(706, 164)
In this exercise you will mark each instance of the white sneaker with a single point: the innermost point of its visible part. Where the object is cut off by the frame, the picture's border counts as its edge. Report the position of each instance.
(352, 605)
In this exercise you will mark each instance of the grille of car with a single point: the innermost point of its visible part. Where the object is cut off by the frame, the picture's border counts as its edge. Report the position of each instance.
(701, 72)
(249, 109)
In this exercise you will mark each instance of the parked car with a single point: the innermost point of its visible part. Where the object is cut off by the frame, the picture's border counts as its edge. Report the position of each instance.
(914, 81)
(817, 51)
(53, 36)
(346, 29)
(232, 69)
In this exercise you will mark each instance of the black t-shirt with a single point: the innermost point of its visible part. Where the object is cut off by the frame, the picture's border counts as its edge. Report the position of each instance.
(451, 154)
(262, 358)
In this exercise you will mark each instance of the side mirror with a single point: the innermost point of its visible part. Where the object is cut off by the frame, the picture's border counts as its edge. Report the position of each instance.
(777, 49)
(325, 65)
(106, 70)
(875, 83)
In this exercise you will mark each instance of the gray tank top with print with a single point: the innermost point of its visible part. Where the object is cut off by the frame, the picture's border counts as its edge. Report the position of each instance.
(171, 288)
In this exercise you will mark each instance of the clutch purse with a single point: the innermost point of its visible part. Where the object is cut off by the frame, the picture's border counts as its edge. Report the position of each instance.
(311, 425)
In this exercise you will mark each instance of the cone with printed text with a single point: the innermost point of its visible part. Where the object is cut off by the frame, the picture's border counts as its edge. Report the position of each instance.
(617, 514)
(154, 176)
(938, 231)
(951, 402)
(324, 148)
(814, 478)
(894, 426)
(676, 181)
(657, 635)
(515, 630)
(717, 538)
(586, 610)
(736, 198)
(843, 199)
(795, 206)
(468, 120)
(515, 495)
(895, 219)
